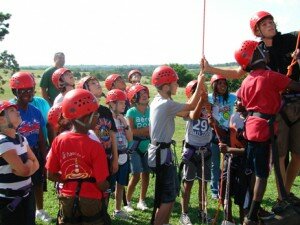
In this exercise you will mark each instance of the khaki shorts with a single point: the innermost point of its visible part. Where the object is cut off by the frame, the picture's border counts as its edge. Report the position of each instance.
(289, 137)
(88, 208)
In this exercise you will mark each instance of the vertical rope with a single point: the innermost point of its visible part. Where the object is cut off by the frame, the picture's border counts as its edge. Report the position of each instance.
(203, 26)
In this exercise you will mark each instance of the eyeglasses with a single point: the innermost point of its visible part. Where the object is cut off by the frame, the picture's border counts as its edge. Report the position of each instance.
(25, 91)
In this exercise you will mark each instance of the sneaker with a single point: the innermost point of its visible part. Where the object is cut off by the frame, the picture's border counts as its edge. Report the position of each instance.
(264, 214)
(185, 219)
(128, 208)
(43, 215)
(142, 206)
(280, 206)
(249, 222)
(121, 215)
(214, 196)
(226, 222)
(293, 199)
(203, 217)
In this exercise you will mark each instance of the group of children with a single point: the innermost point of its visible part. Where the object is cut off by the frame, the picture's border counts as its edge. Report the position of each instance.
(96, 147)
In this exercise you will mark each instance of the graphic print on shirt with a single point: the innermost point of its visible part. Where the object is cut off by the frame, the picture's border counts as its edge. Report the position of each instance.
(28, 128)
(103, 128)
(72, 167)
(200, 126)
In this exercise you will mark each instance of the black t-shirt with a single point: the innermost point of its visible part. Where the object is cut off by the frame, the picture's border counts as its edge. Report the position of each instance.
(280, 54)
(105, 124)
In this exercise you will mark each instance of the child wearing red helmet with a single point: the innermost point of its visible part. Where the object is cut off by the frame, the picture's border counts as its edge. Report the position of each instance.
(18, 163)
(22, 85)
(196, 156)
(134, 77)
(280, 48)
(64, 81)
(78, 162)
(260, 94)
(116, 99)
(162, 126)
(138, 118)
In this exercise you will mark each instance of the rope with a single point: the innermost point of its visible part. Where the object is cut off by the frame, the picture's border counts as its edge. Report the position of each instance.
(294, 61)
(227, 196)
(203, 193)
(203, 26)
(221, 193)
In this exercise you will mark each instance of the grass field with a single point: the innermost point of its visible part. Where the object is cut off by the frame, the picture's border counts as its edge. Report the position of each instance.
(51, 203)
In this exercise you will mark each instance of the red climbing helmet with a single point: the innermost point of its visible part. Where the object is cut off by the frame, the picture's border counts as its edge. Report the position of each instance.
(115, 95)
(244, 54)
(216, 77)
(57, 75)
(6, 104)
(78, 103)
(22, 80)
(110, 80)
(189, 87)
(134, 89)
(54, 114)
(81, 84)
(131, 72)
(163, 75)
(257, 17)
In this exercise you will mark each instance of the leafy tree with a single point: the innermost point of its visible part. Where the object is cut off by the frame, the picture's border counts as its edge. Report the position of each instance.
(184, 74)
(7, 61)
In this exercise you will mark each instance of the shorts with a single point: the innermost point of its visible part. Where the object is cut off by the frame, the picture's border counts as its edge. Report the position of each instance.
(240, 178)
(192, 171)
(288, 137)
(122, 176)
(88, 208)
(258, 155)
(24, 214)
(139, 163)
(170, 185)
(39, 176)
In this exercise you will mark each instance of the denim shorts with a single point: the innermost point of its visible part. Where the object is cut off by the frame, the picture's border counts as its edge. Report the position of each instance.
(170, 184)
(122, 176)
(258, 154)
(139, 163)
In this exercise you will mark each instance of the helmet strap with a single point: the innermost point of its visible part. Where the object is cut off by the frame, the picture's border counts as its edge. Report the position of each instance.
(88, 125)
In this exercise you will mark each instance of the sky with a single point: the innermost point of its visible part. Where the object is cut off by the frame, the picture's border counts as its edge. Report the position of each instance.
(135, 32)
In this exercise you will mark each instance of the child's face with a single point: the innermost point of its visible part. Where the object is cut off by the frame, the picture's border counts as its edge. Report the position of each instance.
(135, 78)
(69, 78)
(173, 87)
(14, 116)
(221, 86)
(266, 28)
(95, 88)
(144, 97)
(119, 84)
(25, 95)
(239, 106)
(118, 106)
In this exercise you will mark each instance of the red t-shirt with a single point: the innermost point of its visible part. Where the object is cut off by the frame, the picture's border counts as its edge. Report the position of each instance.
(77, 156)
(260, 92)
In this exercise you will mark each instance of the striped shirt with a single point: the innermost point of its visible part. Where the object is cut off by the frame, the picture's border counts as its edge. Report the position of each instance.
(7, 178)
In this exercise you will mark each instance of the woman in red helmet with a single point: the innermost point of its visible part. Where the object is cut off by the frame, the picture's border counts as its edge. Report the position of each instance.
(280, 48)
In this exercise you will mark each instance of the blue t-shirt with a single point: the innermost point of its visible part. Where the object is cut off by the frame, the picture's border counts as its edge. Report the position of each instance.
(222, 110)
(33, 121)
(44, 107)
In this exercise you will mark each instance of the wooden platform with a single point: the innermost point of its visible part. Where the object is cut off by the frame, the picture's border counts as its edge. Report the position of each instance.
(288, 217)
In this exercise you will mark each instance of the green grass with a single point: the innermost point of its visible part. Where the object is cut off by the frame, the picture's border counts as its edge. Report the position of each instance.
(51, 203)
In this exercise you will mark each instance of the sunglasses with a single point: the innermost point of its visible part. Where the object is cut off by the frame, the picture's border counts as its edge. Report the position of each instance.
(25, 91)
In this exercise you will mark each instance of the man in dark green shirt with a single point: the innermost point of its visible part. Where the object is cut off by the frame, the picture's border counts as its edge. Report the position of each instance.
(49, 91)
